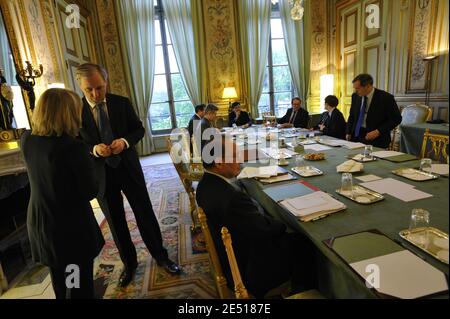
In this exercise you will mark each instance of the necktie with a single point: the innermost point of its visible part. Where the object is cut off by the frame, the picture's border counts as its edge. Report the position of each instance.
(292, 117)
(362, 111)
(106, 134)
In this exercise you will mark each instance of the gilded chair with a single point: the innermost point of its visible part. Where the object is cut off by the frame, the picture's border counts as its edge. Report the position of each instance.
(411, 114)
(435, 146)
(216, 268)
(187, 168)
(239, 288)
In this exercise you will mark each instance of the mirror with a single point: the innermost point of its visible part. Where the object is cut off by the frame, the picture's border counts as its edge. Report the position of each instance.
(13, 114)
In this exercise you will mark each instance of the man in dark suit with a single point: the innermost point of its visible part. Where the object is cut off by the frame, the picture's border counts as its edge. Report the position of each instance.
(111, 128)
(206, 128)
(238, 117)
(196, 118)
(332, 122)
(296, 116)
(266, 254)
(373, 114)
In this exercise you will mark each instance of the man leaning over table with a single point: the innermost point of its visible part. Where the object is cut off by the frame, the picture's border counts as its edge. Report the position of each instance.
(266, 254)
(373, 114)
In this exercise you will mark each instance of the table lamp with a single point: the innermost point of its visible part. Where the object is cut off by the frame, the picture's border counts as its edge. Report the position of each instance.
(229, 93)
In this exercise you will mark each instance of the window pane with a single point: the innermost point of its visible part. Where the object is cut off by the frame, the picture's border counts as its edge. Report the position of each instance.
(159, 60)
(281, 78)
(172, 60)
(179, 91)
(276, 28)
(160, 116)
(279, 52)
(157, 32)
(264, 104)
(155, 3)
(169, 40)
(282, 103)
(159, 89)
(184, 111)
(266, 81)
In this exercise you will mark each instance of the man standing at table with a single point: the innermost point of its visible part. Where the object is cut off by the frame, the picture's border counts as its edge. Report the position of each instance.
(111, 128)
(373, 114)
(296, 116)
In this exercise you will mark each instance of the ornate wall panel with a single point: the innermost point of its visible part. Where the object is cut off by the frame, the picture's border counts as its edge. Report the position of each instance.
(222, 49)
(319, 51)
(112, 53)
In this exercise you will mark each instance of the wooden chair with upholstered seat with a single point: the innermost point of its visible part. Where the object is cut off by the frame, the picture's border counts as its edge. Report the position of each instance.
(435, 146)
(239, 288)
(188, 169)
(216, 268)
(411, 114)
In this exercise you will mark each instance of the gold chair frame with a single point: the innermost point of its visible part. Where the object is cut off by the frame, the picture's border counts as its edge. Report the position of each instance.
(439, 145)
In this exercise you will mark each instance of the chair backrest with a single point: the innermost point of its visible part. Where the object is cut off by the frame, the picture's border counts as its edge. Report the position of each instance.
(239, 289)
(435, 146)
(416, 113)
(216, 268)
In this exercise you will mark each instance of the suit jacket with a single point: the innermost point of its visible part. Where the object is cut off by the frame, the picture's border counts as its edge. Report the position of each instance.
(335, 125)
(125, 124)
(243, 119)
(259, 241)
(61, 224)
(383, 115)
(301, 118)
(191, 127)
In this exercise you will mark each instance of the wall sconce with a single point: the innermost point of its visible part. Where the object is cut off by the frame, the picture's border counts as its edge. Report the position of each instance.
(27, 80)
(326, 88)
(229, 93)
(429, 61)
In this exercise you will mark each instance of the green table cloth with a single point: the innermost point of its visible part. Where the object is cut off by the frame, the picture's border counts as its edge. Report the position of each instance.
(412, 136)
(390, 216)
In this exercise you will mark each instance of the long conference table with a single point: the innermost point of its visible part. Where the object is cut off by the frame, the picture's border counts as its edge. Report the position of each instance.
(390, 216)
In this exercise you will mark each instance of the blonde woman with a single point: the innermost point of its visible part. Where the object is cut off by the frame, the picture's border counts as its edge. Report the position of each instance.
(63, 231)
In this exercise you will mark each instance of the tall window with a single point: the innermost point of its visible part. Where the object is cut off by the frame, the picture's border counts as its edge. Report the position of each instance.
(170, 106)
(278, 88)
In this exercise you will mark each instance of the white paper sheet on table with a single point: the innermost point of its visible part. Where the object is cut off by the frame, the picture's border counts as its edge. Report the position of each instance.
(331, 142)
(322, 203)
(441, 169)
(398, 189)
(368, 178)
(384, 154)
(403, 275)
(352, 145)
(317, 147)
(263, 172)
(349, 166)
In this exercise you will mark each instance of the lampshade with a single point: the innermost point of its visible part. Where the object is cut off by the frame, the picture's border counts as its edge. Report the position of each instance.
(326, 88)
(56, 86)
(229, 93)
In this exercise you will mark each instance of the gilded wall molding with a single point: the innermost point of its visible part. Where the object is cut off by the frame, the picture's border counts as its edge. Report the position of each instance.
(112, 49)
(49, 23)
(221, 49)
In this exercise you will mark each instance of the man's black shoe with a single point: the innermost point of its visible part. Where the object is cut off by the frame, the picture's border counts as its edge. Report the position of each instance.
(127, 276)
(169, 266)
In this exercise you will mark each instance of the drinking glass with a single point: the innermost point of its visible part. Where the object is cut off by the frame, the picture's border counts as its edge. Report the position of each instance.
(425, 164)
(420, 220)
(347, 184)
(368, 151)
(299, 161)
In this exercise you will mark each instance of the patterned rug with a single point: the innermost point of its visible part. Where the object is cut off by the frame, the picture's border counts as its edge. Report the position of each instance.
(171, 205)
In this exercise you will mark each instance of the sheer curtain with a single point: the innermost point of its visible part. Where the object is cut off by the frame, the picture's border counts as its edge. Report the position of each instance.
(136, 29)
(254, 20)
(5, 57)
(298, 48)
(184, 22)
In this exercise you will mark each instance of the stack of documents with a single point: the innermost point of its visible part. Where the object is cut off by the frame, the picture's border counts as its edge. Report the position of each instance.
(352, 145)
(350, 167)
(395, 188)
(386, 154)
(312, 206)
(262, 172)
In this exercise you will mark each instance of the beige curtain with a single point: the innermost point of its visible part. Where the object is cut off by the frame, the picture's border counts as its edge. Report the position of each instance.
(297, 41)
(137, 34)
(254, 22)
(184, 21)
